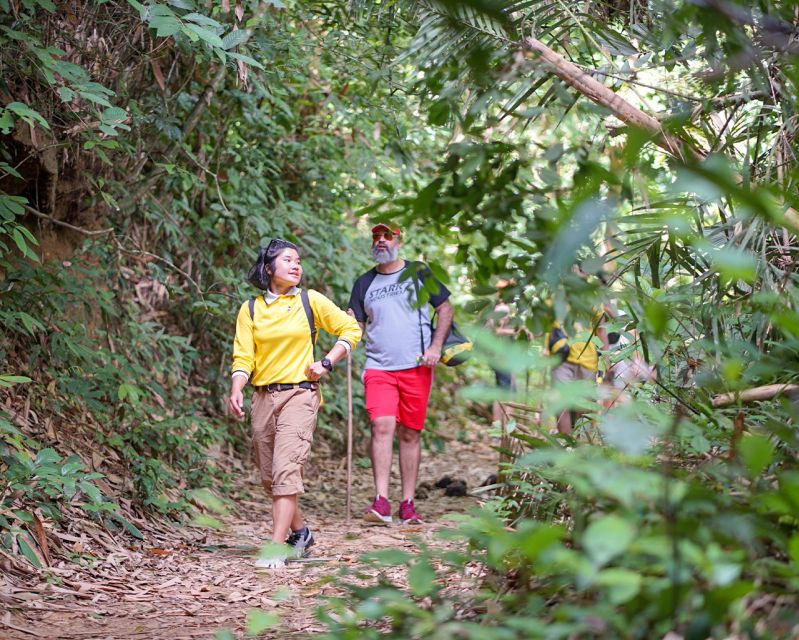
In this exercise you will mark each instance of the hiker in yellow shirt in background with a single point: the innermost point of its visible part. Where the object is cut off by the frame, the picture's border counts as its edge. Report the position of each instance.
(274, 351)
(580, 361)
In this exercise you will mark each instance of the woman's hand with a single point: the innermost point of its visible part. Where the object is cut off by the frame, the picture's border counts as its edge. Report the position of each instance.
(315, 371)
(236, 403)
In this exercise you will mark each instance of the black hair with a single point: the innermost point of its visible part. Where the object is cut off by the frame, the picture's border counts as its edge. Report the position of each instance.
(260, 273)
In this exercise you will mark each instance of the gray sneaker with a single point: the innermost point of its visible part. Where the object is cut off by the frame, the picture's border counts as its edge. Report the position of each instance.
(300, 541)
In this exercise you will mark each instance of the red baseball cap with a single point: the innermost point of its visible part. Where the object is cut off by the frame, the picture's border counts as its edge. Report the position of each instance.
(393, 228)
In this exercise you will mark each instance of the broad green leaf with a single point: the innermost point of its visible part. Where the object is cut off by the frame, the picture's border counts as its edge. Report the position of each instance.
(94, 97)
(734, 264)
(66, 94)
(234, 39)
(72, 465)
(606, 538)
(204, 34)
(6, 121)
(757, 453)
(631, 429)
(7, 381)
(258, 621)
(421, 577)
(31, 116)
(22, 245)
(208, 499)
(26, 546)
(92, 492)
(128, 525)
(128, 392)
(252, 62)
(202, 20)
(11, 206)
(165, 26)
(30, 323)
(8, 169)
(438, 113)
(622, 584)
(657, 317)
(388, 557)
(139, 7)
(204, 520)
(46, 456)
(793, 549)
(114, 115)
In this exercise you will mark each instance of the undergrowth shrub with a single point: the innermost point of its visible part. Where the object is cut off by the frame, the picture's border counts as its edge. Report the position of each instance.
(634, 544)
(92, 358)
(37, 482)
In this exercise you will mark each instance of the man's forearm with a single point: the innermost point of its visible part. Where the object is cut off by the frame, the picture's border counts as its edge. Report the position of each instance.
(445, 313)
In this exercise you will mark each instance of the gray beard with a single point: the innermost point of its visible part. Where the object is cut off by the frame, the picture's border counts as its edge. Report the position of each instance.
(384, 256)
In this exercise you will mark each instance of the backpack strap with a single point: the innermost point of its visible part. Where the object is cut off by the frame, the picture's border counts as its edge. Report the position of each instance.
(419, 310)
(306, 304)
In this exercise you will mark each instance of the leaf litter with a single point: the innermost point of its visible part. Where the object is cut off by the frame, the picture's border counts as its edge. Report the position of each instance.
(191, 581)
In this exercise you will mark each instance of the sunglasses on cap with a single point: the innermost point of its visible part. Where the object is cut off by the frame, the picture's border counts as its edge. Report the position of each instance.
(388, 235)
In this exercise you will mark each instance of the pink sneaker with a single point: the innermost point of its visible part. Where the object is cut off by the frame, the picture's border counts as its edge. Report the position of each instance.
(407, 513)
(379, 512)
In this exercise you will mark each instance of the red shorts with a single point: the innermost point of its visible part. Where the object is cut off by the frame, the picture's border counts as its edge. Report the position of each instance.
(402, 394)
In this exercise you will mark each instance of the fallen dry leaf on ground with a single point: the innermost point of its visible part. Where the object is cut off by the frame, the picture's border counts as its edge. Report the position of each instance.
(187, 582)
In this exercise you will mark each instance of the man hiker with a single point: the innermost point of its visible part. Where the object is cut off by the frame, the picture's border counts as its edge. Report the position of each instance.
(401, 351)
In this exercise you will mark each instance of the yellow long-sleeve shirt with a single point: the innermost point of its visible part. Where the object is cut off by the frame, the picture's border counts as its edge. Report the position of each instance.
(276, 346)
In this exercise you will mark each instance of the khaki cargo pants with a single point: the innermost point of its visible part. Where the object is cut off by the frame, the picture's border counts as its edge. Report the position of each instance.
(283, 423)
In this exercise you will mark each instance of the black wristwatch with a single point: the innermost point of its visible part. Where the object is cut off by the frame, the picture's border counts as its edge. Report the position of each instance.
(327, 364)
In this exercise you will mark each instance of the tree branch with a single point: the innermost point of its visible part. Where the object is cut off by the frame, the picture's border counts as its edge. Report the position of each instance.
(72, 227)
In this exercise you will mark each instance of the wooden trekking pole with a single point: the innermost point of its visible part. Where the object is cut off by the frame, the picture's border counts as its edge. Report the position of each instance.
(349, 437)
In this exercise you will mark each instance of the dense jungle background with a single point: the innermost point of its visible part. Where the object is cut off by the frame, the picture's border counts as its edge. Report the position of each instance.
(147, 149)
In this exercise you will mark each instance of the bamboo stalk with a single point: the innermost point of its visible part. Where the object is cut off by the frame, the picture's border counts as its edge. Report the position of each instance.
(598, 93)
(754, 394)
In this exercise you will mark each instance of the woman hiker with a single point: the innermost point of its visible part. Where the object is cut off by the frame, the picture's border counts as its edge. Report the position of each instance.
(273, 350)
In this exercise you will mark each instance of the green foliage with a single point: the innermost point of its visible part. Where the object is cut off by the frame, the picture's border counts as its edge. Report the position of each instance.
(39, 479)
(679, 521)
(650, 547)
(162, 448)
(129, 339)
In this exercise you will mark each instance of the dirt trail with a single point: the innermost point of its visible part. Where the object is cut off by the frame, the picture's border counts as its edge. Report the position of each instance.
(207, 581)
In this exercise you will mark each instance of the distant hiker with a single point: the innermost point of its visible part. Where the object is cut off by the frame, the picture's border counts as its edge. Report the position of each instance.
(401, 351)
(500, 324)
(625, 373)
(273, 350)
(579, 360)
